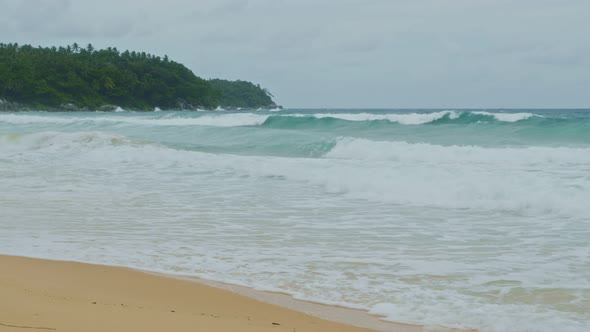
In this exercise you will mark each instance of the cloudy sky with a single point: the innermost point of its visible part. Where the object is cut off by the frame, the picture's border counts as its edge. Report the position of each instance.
(344, 53)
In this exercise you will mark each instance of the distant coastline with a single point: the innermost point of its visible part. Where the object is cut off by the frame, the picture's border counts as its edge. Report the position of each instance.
(9, 106)
(75, 78)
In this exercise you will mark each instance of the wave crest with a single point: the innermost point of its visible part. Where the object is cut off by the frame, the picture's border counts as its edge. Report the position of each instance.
(256, 119)
(220, 120)
(534, 179)
(59, 141)
(405, 119)
(508, 117)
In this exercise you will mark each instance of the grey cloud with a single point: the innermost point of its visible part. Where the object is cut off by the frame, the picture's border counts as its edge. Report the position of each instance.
(31, 16)
(347, 53)
(561, 57)
(216, 10)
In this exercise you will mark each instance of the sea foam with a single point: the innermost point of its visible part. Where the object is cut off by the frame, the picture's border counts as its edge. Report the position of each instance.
(493, 236)
(508, 117)
(254, 119)
(406, 119)
(220, 120)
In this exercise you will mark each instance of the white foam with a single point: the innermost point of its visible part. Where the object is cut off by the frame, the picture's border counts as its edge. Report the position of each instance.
(452, 303)
(519, 179)
(50, 141)
(218, 120)
(406, 119)
(524, 180)
(253, 119)
(223, 120)
(494, 238)
(508, 117)
(32, 119)
(364, 149)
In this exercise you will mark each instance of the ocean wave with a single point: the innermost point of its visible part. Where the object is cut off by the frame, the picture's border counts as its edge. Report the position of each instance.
(288, 121)
(540, 179)
(221, 120)
(405, 119)
(364, 149)
(60, 141)
(277, 120)
(425, 118)
(34, 119)
(433, 201)
(508, 117)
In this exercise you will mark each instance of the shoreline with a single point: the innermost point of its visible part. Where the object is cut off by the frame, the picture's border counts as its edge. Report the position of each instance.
(51, 285)
(334, 313)
(15, 107)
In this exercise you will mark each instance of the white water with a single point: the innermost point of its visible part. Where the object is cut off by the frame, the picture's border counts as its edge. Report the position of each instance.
(509, 117)
(221, 120)
(253, 119)
(406, 119)
(494, 238)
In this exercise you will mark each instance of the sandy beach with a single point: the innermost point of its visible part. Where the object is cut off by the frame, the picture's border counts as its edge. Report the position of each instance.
(49, 295)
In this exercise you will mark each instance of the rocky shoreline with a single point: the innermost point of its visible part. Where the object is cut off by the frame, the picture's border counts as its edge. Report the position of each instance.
(8, 106)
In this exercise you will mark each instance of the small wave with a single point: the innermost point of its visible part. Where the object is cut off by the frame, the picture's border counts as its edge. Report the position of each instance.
(534, 179)
(425, 118)
(225, 120)
(222, 120)
(539, 179)
(508, 117)
(364, 149)
(32, 119)
(282, 120)
(406, 119)
(50, 140)
(219, 120)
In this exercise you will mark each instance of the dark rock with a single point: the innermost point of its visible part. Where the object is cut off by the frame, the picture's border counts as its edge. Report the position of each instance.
(7, 106)
(107, 108)
(183, 105)
(70, 107)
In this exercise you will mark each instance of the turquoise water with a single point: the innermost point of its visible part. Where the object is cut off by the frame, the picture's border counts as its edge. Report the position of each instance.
(468, 218)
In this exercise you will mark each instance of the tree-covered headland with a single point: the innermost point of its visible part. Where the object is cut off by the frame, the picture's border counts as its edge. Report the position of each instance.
(61, 77)
(242, 94)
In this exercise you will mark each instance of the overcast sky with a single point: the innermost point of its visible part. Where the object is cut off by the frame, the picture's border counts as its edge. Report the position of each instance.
(344, 53)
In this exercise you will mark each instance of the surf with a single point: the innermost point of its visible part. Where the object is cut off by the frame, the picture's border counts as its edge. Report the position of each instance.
(416, 216)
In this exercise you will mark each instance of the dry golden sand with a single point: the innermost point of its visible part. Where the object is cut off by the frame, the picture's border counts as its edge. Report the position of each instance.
(43, 295)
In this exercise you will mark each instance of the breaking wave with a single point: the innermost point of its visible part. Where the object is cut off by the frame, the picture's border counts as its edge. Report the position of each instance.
(541, 179)
(255, 119)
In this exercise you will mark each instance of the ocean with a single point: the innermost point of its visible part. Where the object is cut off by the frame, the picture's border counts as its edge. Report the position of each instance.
(455, 218)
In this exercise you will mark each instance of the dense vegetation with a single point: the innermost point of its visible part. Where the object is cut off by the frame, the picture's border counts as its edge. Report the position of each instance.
(89, 78)
(242, 94)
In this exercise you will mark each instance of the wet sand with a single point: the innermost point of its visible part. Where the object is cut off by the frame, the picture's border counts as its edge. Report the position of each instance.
(44, 295)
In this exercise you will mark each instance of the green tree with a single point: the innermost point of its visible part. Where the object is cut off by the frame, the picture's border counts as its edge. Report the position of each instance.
(241, 94)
